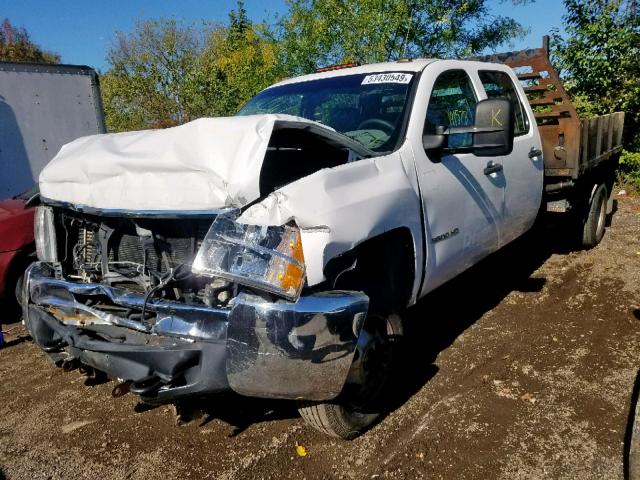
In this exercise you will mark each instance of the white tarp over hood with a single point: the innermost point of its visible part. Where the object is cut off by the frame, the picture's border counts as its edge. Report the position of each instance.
(207, 164)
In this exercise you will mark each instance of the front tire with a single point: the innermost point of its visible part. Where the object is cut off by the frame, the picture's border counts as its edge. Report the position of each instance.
(335, 419)
(360, 405)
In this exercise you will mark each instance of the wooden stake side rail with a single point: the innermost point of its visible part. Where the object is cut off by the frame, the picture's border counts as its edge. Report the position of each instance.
(601, 139)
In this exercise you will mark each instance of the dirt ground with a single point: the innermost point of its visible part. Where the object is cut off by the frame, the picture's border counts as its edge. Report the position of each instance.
(523, 367)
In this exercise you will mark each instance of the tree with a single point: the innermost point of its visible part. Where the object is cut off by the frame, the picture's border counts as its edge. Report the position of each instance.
(16, 46)
(324, 32)
(239, 61)
(599, 62)
(166, 73)
(599, 59)
(153, 77)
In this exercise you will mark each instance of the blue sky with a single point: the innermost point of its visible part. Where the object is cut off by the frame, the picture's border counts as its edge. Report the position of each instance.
(82, 31)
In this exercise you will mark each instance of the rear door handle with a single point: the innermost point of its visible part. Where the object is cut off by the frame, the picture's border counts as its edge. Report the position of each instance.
(534, 152)
(492, 167)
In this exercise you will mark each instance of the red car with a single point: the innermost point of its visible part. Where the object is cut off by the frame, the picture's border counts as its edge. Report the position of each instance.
(16, 239)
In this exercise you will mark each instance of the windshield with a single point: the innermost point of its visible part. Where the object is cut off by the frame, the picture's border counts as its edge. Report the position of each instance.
(369, 108)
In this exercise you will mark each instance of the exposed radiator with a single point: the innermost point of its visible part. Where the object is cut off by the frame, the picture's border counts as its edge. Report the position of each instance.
(175, 242)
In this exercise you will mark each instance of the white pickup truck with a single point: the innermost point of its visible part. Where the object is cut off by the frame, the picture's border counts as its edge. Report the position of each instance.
(272, 253)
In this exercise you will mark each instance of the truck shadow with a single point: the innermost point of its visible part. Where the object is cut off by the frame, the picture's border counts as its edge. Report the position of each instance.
(11, 326)
(443, 315)
(431, 327)
(236, 411)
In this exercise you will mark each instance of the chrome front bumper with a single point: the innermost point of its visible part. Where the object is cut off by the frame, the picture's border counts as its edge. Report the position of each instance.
(255, 347)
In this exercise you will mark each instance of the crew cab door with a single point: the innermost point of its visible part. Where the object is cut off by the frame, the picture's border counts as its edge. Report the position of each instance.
(463, 197)
(523, 167)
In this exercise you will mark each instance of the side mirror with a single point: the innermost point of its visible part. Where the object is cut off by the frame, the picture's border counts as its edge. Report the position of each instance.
(492, 132)
(494, 128)
(434, 141)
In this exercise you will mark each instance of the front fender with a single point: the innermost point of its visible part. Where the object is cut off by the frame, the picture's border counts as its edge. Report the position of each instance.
(339, 208)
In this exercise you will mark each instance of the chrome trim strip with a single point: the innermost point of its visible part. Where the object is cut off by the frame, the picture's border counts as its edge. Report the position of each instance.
(114, 212)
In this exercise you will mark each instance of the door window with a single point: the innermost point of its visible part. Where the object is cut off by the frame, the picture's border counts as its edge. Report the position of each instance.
(499, 85)
(452, 104)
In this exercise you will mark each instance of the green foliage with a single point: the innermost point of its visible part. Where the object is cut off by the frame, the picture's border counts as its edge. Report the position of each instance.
(599, 60)
(599, 57)
(630, 168)
(153, 76)
(16, 46)
(325, 32)
(238, 62)
(166, 73)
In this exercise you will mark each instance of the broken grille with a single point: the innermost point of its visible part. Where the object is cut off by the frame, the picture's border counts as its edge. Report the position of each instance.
(158, 244)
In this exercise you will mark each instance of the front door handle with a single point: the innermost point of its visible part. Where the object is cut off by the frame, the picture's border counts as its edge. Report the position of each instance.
(535, 152)
(492, 167)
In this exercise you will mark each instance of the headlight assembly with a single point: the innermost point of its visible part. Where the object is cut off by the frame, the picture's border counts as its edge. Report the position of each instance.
(45, 235)
(269, 258)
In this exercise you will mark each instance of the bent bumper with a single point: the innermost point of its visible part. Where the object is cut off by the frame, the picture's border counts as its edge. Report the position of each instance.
(254, 347)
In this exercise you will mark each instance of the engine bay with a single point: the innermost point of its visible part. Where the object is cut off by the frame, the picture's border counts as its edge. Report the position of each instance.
(150, 256)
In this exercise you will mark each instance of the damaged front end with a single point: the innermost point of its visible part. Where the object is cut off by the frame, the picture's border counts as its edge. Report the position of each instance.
(188, 305)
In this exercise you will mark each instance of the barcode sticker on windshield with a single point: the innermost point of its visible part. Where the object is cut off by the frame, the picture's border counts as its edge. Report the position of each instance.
(387, 78)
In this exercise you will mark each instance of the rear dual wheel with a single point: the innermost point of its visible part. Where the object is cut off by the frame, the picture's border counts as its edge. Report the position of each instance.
(361, 403)
(596, 217)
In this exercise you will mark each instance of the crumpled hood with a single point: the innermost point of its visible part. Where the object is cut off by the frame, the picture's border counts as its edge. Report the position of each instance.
(204, 165)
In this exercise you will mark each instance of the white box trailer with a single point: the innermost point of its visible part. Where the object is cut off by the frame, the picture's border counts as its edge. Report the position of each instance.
(42, 107)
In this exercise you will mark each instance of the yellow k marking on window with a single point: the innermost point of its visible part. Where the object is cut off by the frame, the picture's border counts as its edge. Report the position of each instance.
(495, 118)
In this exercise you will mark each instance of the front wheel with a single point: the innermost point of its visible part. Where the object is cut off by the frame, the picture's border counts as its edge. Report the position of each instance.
(360, 404)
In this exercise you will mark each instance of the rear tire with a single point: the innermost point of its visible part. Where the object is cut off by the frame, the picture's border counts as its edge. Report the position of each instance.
(594, 223)
(360, 405)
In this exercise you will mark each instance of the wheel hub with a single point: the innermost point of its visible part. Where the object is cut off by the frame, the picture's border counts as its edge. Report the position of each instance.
(372, 364)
